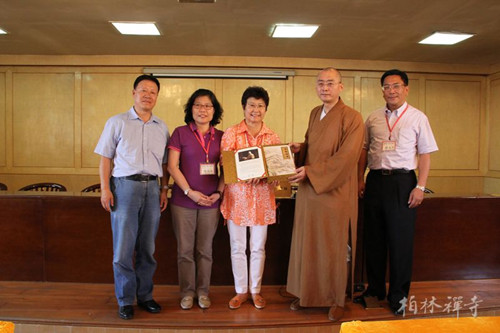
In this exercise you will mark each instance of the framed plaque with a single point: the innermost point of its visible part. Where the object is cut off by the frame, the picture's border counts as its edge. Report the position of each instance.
(274, 162)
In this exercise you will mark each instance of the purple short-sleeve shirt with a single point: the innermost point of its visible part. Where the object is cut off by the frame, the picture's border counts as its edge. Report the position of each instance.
(192, 155)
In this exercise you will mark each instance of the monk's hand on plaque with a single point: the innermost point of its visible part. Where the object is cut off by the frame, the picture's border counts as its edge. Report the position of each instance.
(300, 175)
(294, 147)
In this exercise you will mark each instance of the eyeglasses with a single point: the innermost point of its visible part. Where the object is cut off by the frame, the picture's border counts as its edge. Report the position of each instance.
(395, 86)
(203, 106)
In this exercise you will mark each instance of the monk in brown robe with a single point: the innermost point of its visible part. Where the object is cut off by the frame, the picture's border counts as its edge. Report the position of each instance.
(326, 206)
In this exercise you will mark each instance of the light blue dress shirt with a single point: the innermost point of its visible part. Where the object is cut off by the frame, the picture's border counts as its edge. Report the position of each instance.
(134, 146)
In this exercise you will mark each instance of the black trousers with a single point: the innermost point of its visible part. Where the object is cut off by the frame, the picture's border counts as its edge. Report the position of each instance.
(389, 227)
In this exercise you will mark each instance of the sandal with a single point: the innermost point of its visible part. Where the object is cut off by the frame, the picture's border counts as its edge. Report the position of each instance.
(258, 301)
(295, 305)
(237, 300)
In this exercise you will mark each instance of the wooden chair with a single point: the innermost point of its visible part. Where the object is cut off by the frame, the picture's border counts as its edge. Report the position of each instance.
(92, 188)
(44, 187)
(3, 187)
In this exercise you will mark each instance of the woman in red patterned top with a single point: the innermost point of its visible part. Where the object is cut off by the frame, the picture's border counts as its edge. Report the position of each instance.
(250, 204)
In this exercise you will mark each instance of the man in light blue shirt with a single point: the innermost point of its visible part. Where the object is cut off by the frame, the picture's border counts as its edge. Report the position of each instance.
(135, 143)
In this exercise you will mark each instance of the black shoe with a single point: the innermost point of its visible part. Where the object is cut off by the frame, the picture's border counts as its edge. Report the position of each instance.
(150, 306)
(126, 312)
(360, 300)
(398, 311)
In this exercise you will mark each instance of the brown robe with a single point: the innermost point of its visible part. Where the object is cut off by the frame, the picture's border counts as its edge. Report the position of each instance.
(326, 205)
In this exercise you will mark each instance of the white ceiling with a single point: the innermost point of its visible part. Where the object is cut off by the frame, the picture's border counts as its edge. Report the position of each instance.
(349, 29)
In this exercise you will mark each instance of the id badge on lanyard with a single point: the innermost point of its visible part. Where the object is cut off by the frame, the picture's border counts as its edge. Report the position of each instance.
(207, 169)
(390, 145)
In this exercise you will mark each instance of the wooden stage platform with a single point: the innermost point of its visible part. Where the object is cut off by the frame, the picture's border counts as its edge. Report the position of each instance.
(43, 291)
(83, 307)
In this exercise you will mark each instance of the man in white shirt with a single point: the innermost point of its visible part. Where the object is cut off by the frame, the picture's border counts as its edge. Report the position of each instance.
(398, 140)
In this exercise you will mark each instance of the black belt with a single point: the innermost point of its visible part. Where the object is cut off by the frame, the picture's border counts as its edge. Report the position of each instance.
(389, 172)
(140, 178)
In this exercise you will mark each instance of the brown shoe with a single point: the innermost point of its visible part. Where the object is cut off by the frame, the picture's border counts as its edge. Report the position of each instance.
(335, 313)
(295, 305)
(237, 300)
(258, 301)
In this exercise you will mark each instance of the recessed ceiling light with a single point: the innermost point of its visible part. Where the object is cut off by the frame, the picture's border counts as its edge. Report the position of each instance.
(2, 32)
(294, 30)
(137, 28)
(445, 38)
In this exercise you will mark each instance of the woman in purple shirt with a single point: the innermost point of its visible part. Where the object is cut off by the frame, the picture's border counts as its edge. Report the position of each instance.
(193, 158)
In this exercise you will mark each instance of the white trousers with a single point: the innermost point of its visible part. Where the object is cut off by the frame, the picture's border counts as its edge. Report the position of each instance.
(238, 241)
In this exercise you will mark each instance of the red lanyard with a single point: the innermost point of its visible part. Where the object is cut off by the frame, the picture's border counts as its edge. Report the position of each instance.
(394, 125)
(206, 150)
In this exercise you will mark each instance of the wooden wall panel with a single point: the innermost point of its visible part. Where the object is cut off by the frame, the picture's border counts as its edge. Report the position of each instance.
(304, 100)
(414, 94)
(492, 185)
(454, 111)
(348, 94)
(494, 125)
(372, 97)
(456, 185)
(174, 94)
(3, 116)
(233, 89)
(118, 99)
(69, 106)
(103, 96)
(43, 119)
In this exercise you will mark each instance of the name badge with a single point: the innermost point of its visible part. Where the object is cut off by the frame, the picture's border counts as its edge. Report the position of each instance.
(388, 145)
(207, 169)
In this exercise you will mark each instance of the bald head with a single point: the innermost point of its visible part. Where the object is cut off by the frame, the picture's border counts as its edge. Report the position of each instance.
(333, 71)
(329, 86)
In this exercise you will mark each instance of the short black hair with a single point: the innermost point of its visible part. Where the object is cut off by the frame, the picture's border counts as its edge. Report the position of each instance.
(255, 92)
(148, 78)
(188, 108)
(397, 72)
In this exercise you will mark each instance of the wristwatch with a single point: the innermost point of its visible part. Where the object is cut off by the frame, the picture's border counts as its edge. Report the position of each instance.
(186, 191)
(421, 188)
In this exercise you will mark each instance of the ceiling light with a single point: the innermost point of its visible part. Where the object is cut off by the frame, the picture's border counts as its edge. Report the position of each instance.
(2, 32)
(445, 38)
(294, 30)
(137, 28)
